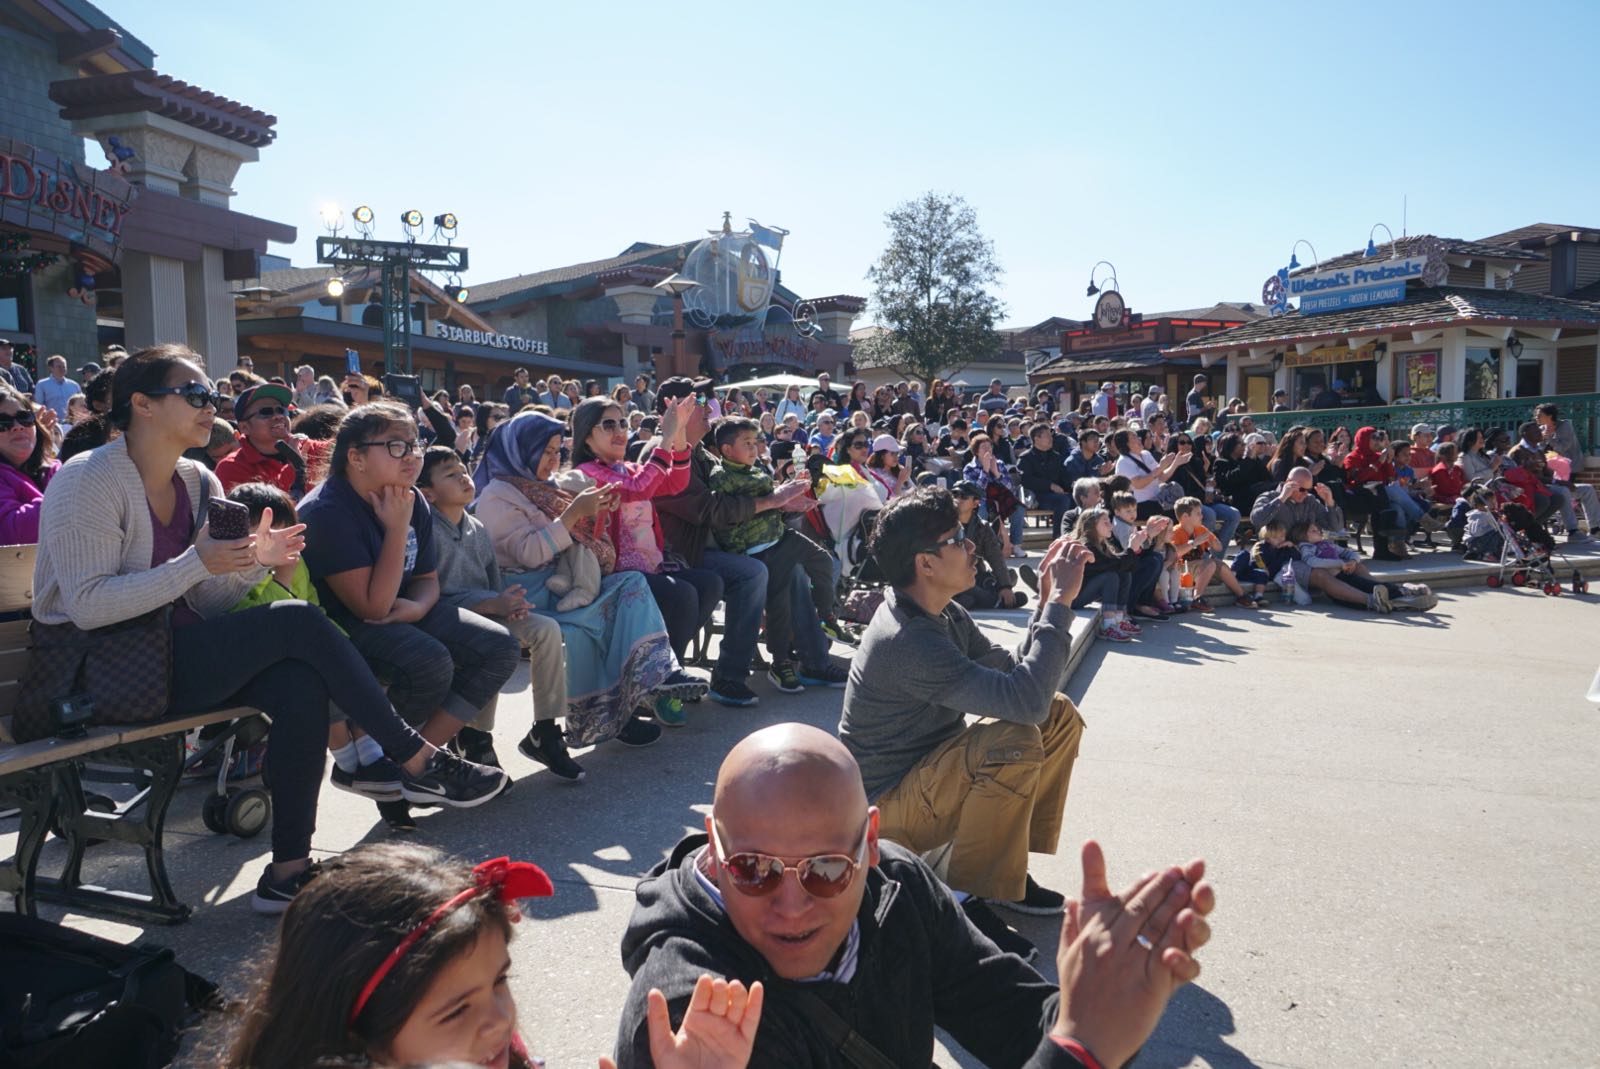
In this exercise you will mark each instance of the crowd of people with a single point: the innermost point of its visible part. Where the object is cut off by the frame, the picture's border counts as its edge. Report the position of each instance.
(400, 560)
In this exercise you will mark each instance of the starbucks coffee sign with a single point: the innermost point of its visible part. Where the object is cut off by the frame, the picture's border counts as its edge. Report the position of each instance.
(451, 332)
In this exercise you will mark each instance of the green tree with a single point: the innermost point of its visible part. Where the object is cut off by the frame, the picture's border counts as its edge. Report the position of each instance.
(930, 290)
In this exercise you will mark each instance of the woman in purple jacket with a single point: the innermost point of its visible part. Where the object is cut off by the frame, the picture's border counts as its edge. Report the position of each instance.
(26, 470)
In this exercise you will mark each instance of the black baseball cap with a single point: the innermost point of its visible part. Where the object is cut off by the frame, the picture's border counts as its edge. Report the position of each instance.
(966, 488)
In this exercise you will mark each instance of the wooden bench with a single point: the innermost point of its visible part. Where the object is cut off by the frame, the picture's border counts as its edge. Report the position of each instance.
(44, 780)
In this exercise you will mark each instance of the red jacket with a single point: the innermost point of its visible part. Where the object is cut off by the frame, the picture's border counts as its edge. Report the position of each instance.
(247, 465)
(1363, 464)
(1532, 494)
(1447, 480)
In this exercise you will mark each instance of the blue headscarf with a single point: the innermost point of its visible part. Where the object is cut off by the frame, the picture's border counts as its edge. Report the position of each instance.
(515, 447)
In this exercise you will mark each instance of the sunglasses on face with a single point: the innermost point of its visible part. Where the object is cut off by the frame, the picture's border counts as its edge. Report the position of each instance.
(399, 448)
(269, 412)
(612, 425)
(758, 875)
(198, 394)
(957, 539)
(21, 419)
(858, 445)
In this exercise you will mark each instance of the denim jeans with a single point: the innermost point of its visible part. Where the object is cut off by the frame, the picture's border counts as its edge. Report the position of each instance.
(744, 599)
(1058, 504)
(810, 644)
(1404, 502)
(451, 659)
(1223, 519)
(1146, 574)
(1110, 589)
(686, 600)
(1018, 519)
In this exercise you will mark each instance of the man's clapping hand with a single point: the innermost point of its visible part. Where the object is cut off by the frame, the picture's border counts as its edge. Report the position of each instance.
(1122, 957)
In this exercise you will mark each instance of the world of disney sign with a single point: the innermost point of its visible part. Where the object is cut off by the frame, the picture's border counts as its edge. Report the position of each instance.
(777, 344)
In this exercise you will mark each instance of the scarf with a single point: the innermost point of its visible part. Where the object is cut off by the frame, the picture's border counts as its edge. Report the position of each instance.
(512, 456)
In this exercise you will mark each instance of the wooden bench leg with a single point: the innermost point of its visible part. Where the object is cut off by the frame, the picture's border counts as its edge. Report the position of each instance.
(140, 825)
(32, 793)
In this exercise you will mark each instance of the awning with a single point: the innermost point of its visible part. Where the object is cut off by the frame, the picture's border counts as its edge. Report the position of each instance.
(1146, 359)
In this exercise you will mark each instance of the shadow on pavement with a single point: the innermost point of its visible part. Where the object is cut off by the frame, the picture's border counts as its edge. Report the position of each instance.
(1194, 1027)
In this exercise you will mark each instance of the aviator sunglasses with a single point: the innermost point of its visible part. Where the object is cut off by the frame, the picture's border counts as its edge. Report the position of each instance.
(758, 875)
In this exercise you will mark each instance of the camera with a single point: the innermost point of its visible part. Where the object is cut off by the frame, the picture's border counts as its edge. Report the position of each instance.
(73, 715)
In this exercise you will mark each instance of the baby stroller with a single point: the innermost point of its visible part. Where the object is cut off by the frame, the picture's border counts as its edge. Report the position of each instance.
(1522, 562)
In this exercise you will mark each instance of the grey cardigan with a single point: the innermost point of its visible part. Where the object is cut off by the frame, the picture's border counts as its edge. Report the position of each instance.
(93, 564)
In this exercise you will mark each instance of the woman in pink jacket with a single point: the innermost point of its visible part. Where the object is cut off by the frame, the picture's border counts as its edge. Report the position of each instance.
(685, 595)
(26, 471)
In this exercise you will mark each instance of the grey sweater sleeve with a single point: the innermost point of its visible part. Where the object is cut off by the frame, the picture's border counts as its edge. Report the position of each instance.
(1019, 691)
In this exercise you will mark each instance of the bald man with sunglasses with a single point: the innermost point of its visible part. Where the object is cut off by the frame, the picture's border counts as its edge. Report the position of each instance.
(863, 952)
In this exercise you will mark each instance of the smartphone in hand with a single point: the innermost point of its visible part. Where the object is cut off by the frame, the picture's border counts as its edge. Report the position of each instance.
(229, 520)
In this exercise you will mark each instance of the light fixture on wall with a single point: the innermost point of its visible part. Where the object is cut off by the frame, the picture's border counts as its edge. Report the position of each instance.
(1514, 346)
(1093, 289)
(1294, 261)
(1277, 361)
(1372, 249)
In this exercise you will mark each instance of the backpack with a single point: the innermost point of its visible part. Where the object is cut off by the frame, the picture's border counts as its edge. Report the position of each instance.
(68, 998)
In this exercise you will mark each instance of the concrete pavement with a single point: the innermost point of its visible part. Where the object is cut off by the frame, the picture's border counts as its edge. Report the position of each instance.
(1399, 813)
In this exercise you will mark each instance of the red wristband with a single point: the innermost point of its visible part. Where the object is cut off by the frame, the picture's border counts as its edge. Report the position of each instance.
(1077, 1050)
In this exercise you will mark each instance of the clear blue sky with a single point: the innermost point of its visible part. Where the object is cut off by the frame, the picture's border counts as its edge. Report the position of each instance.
(1189, 144)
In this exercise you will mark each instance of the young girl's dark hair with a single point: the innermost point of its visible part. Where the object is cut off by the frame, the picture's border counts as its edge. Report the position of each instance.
(146, 370)
(1298, 532)
(258, 497)
(585, 417)
(33, 465)
(359, 426)
(319, 422)
(336, 934)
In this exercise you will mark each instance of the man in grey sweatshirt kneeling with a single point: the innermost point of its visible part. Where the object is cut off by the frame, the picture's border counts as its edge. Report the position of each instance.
(992, 791)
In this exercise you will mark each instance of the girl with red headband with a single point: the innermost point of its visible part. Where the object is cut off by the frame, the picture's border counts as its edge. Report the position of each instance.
(397, 955)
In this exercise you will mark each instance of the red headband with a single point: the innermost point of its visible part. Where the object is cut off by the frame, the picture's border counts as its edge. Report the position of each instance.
(509, 880)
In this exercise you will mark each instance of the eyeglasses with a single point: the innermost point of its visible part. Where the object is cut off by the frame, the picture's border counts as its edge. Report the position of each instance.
(399, 448)
(758, 875)
(198, 394)
(270, 412)
(858, 445)
(957, 539)
(609, 425)
(23, 418)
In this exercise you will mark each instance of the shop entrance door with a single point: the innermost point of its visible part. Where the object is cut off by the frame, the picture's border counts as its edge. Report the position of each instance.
(1530, 378)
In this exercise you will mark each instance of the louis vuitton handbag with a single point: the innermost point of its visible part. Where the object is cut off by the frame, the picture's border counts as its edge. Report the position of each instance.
(124, 669)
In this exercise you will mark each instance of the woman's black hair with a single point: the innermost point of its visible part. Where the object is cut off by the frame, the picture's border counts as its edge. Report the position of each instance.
(319, 422)
(1227, 444)
(358, 426)
(1121, 439)
(148, 369)
(84, 435)
(1285, 447)
(33, 465)
(585, 417)
(1470, 437)
(908, 525)
(354, 912)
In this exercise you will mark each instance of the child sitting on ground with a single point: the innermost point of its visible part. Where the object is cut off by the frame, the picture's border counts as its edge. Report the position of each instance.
(1481, 538)
(1317, 552)
(765, 535)
(1191, 540)
(469, 578)
(1148, 596)
(1265, 561)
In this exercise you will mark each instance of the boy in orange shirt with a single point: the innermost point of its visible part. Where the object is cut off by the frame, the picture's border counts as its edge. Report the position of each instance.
(1191, 540)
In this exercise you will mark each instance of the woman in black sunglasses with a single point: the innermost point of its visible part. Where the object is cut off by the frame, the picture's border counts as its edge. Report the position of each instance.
(26, 471)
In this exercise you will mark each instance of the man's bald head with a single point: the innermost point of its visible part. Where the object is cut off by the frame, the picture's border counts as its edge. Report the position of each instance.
(788, 765)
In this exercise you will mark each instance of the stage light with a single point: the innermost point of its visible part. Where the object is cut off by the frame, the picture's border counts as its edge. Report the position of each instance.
(363, 215)
(412, 219)
(335, 286)
(447, 221)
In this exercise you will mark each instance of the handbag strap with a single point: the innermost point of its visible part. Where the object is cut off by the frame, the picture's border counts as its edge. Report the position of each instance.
(205, 505)
(851, 1045)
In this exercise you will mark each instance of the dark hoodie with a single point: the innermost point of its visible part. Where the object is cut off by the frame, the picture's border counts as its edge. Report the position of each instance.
(920, 964)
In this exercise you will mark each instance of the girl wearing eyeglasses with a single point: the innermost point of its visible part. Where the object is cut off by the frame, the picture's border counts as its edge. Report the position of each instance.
(26, 471)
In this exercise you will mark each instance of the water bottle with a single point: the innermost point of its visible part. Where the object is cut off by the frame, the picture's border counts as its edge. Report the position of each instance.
(1287, 594)
(1185, 587)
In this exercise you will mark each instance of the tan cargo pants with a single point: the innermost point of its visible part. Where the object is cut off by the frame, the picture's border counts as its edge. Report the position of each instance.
(994, 793)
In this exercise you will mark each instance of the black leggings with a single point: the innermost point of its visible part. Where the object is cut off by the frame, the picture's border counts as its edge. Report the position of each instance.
(288, 660)
(686, 600)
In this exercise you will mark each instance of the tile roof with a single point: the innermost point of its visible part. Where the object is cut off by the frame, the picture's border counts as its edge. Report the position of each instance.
(161, 94)
(1535, 234)
(1244, 311)
(1444, 306)
(1410, 246)
(640, 252)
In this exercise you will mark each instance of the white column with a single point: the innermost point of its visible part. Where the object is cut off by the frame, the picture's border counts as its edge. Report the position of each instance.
(210, 313)
(153, 299)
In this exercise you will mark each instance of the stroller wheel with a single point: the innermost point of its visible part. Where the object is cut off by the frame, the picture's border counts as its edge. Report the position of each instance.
(1552, 590)
(1495, 581)
(213, 813)
(1580, 586)
(1519, 578)
(246, 812)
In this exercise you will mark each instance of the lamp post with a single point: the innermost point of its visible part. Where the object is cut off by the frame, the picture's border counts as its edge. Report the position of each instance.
(677, 286)
(395, 260)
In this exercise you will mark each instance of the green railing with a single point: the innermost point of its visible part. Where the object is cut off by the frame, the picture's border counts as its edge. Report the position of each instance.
(1583, 409)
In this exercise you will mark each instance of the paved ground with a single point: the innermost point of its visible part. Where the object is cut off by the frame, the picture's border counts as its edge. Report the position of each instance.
(1400, 815)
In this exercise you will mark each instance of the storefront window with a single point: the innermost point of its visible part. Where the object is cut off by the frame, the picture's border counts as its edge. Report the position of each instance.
(13, 304)
(1530, 378)
(1419, 377)
(1483, 375)
(1356, 381)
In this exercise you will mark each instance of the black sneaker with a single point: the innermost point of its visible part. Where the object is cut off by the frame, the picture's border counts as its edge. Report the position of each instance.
(684, 686)
(450, 780)
(783, 676)
(1037, 901)
(639, 732)
(273, 897)
(1029, 576)
(379, 781)
(733, 692)
(838, 632)
(397, 815)
(543, 743)
(478, 747)
(828, 675)
(999, 932)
